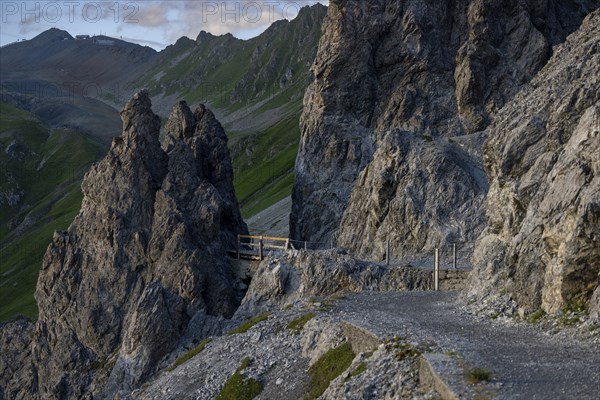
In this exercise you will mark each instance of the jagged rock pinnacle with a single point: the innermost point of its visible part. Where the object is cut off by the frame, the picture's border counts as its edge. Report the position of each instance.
(148, 249)
(138, 118)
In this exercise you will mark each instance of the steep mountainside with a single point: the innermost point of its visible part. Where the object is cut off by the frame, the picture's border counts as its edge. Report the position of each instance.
(542, 242)
(72, 83)
(143, 260)
(83, 67)
(230, 72)
(40, 179)
(46, 145)
(255, 87)
(389, 146)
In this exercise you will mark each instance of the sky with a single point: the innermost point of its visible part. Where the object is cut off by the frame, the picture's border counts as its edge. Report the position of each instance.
(154, 23)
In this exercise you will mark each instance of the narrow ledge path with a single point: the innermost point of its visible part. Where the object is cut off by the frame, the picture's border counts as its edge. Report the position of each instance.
(525, 363)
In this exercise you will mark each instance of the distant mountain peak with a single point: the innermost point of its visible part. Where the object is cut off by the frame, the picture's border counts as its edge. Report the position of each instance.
(53, 35)
(317, 6)
(304, 13)
(206, 37)
(183, 40)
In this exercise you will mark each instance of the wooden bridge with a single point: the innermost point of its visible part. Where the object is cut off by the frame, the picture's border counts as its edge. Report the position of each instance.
(256, 247)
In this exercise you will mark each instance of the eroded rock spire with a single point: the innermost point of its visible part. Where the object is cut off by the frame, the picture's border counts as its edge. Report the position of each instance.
(145, 257)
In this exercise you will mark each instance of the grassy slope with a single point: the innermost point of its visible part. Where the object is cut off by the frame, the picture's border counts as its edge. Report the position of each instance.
(261, 184)
(49, 173)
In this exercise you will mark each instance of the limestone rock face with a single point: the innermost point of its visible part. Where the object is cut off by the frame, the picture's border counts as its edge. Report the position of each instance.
(438, 71)
(143, 257)
(542, 242)
(433, 190)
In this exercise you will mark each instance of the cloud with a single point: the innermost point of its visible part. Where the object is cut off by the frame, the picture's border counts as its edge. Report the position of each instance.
(154, 14)
(188, 18)
(143, 42)
(29, 24)
(156, 22)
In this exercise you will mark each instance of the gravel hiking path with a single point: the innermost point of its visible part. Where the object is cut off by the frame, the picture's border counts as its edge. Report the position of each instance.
(525, 363)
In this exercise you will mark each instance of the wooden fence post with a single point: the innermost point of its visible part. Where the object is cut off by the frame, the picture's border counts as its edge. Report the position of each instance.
(454, 252)
(260, 248)
(436, 271)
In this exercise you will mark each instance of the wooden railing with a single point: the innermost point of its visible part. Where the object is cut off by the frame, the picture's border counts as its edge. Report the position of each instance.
(260, 243)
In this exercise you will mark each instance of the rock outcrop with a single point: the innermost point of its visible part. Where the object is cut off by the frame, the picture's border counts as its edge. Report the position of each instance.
(302, 275)
(542, 243)
(400, 91)
(144, 257)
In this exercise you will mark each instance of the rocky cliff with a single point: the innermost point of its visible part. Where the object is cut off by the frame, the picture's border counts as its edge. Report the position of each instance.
(143, 260)
(390, 147)
(542, 243)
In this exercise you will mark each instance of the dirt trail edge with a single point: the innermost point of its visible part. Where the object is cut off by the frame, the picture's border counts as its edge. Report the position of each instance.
(525, 363)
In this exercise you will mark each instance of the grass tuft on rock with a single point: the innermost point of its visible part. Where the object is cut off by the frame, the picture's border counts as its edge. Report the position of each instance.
(362, 367)
(250, 323)
(296, 325)
(238, 387)
(191, 353)
(477, 375)
(402, 350)
(327, 368)
(574, 312)
(537, 316)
